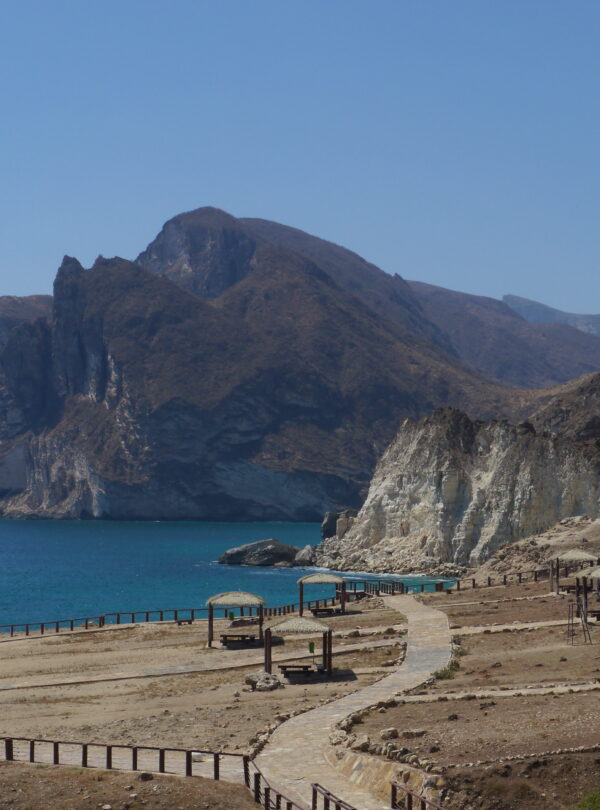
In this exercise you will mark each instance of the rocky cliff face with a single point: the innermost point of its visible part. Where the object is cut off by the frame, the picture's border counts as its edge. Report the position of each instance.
(452, 490)
(230, 378)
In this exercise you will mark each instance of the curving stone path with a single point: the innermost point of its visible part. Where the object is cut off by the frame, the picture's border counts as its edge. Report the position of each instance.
(294, 757)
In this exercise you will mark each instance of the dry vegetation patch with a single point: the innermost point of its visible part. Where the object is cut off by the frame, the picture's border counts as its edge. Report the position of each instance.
(549, 783)
(40, 787)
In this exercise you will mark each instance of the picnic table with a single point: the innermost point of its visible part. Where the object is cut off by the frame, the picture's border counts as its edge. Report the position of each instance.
(302, 669)
(179, 622)
(246, 638)
(326, 611)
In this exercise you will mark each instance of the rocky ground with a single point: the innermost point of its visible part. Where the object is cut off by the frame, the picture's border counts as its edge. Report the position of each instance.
(535, 551)
(79, 789)
(505, 724)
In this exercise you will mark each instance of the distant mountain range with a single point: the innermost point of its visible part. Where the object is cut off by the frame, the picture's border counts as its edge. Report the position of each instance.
(240, 369)
(535, 312)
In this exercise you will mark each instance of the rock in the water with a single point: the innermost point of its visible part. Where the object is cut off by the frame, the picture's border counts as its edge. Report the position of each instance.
(262, 552)
(263, 681)
(305, 556)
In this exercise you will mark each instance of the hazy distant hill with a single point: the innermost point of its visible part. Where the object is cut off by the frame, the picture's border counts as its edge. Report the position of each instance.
(535, 312)
(499, 343)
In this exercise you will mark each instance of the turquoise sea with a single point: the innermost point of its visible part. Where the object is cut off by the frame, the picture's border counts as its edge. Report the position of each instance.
(53, 570)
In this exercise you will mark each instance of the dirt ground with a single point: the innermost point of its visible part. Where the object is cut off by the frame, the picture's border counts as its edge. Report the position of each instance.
(209, 710)
(40, 787)
(465, 730)
(490, 606)
(550, 783)
(523, 657)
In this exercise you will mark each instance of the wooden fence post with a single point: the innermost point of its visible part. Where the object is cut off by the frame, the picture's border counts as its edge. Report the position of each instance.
(257, 788)
(84, 755)
(216, 759)
(8, 749)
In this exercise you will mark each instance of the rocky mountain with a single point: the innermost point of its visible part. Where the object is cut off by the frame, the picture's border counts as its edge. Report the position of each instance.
(501, 344)
(234, 379)
(535, 312)
(451, 490)
(14, 311)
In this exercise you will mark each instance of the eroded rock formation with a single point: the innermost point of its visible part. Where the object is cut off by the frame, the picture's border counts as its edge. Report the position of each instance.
(451, 490)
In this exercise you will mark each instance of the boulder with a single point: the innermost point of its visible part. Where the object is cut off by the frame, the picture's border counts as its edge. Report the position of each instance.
(262, 552)
(389, 734)
(263, 681)
(305, 556)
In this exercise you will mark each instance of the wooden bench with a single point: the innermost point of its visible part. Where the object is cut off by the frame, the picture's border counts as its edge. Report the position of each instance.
(246, 638)
(184, 621)
(302, 669)
(326, 611)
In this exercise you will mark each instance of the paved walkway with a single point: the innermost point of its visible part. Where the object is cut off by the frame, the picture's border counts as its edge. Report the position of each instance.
(294, 758)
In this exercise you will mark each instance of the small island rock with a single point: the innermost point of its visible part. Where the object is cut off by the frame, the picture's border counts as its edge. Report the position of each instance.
(262, 552)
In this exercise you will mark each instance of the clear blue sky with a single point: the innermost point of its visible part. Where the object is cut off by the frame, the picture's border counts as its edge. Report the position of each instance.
(451, 142)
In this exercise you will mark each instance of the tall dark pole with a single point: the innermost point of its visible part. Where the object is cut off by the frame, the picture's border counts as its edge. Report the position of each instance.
(210, 624)
(261, 617)
(343, 596)
(329, 651)
(301, 597)
(268, 659)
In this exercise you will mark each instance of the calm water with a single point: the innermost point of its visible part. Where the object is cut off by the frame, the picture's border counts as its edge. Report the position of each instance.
(63, 569)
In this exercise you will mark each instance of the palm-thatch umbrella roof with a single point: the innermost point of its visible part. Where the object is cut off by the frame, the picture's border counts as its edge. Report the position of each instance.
(321, 579)
(575, 555)
(590, 573)
(299, 624)
(235, 599)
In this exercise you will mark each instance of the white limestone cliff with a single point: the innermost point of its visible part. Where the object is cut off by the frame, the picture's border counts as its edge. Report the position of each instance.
(449, 491)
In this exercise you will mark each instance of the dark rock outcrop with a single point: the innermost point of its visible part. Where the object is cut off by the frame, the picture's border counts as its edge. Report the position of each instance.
(262, 552)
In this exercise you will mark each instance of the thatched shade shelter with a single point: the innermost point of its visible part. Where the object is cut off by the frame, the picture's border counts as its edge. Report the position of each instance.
(574, 555)
(234, 599)
(590, 573)
(299, 624)
(323, 578)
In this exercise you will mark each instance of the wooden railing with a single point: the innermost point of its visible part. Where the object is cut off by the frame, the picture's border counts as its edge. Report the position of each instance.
(328, 799)
(118, 756)
(263, 793)
(403, 798)
(519, 577)
(191, 614)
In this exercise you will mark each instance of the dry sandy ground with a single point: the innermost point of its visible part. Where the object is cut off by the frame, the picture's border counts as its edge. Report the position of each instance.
(210, 710)
(41, 787)
(523, 657)
(502, 605)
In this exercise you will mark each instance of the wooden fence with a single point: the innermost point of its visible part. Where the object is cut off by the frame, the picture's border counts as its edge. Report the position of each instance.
(185, 615)
(322, 796)
(122, 757)
(263, 793)
(403, 798)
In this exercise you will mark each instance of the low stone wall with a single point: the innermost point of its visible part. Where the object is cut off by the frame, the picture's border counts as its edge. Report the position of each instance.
(375, 775)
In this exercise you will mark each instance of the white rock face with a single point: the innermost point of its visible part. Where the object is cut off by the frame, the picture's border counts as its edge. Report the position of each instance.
(450, 490)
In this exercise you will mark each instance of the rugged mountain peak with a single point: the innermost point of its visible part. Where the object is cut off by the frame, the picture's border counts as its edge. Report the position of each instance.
(205, 251)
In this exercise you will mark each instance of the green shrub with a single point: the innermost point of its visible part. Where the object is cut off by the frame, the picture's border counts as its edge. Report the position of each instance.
(447, 672)
(591, 801)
